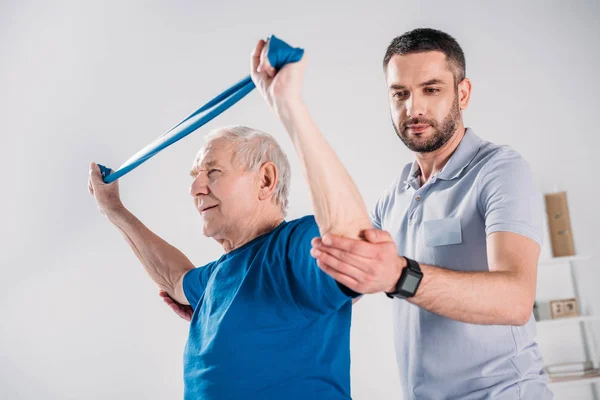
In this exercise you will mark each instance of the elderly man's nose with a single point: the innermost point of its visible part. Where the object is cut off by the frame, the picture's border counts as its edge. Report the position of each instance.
(199, 186)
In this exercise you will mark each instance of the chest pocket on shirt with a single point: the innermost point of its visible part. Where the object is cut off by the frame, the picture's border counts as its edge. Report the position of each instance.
(442, 232)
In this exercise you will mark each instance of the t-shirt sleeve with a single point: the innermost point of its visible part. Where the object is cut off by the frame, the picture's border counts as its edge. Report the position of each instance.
(509, 200)
(311, 288)
(194, 283)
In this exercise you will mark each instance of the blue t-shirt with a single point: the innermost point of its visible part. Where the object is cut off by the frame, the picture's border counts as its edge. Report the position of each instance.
(268, 323)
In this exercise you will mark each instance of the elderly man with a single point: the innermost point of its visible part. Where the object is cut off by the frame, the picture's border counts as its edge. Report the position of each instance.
(267, 323)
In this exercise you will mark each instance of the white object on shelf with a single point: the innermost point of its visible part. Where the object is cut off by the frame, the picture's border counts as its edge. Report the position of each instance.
(569, 320)
(562, 260)
(577, 381)
(565, 368)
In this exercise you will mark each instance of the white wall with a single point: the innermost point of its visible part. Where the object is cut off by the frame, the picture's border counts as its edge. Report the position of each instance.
(83, 81)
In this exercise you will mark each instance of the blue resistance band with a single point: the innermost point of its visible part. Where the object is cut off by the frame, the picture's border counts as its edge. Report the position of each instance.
(280, 54)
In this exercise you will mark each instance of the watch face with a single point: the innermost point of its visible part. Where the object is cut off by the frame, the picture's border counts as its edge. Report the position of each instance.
(410, 283)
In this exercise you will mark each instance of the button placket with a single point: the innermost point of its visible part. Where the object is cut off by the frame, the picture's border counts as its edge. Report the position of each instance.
(414, 207)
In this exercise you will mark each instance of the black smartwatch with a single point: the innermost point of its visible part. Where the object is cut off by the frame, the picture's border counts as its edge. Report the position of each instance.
(409, 281)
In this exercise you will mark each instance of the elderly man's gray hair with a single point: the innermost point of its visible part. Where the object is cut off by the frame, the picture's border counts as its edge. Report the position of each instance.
(253, 148)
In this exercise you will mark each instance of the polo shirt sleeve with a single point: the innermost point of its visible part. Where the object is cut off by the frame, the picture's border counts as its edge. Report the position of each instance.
(313, 291)
(508, 198)
(376, 215)
(194, 283)
(383, 203)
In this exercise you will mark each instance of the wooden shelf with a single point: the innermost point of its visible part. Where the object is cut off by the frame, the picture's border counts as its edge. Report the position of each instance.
(569, 320)
(562, 260)
(576, 380)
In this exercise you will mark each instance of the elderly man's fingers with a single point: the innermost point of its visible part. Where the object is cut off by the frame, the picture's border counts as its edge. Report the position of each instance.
(265, 65)
(95, 174)
(255, 56)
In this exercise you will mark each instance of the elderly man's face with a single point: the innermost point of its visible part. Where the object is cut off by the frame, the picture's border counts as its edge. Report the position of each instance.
(225, 194)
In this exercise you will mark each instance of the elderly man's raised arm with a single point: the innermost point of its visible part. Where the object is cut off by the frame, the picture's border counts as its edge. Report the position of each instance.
(338, 206)
(163, 263)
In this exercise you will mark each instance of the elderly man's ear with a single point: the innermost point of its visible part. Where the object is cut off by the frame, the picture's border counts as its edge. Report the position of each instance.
(268, 179)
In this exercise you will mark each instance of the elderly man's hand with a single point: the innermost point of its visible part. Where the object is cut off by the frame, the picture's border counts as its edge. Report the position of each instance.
(277, 87)
(364, 266)
(106, 195)
(184, 311)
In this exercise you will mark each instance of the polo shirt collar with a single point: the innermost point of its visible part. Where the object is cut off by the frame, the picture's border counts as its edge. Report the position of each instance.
(463, 155)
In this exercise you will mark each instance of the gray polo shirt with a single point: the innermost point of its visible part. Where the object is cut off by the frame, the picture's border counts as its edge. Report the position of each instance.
(483, 188)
